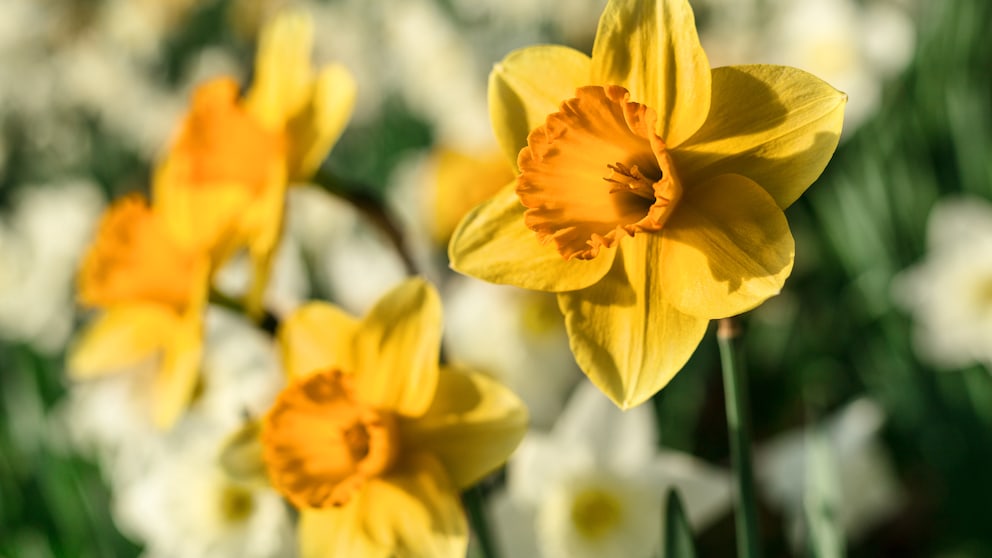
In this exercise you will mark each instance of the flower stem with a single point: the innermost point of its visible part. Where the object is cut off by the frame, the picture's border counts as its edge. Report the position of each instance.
(364, 199)
(739, 429)
(474, 501)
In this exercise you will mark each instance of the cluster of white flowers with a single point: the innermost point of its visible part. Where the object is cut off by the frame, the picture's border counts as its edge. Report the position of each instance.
(949, 293)
(169, 489)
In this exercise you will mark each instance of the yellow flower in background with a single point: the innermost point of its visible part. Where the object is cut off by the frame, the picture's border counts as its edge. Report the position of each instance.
(462, 180)
(650, 188)
(223, 181)
(152, 291)
(372, 440)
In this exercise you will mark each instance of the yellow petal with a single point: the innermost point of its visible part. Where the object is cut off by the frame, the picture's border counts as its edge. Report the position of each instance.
(397, 348)
(316, 337)
(726, 249)
(493, 243)
(651, 48)
(473, 425)
(527, 86)
(337, 531)
(624, 331)
(200, 218)
(176, 378)
(776, 125)
(283, 74)
(260, 228)
(415, 510)
(315, 128)
(121, 336)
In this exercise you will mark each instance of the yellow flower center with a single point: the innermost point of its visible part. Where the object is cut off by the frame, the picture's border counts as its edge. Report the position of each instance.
(320, 444)
(595, 512)
(133, 258)
(221, 143)
(236, 503)
(595, 171)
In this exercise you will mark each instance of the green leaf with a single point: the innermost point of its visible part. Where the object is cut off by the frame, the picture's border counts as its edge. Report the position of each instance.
(678, 535)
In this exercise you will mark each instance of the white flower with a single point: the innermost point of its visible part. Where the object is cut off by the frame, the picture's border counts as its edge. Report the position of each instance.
(438, 74)
(351, 259)
(854, 46)
(184, 506)
(868, 490)
(949, 293)
(107, 418)
(594, 486)
(40, 246)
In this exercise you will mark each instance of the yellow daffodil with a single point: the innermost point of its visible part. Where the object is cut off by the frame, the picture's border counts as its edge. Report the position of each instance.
(372, 440)
(222, 183)
(650, 188)
(152, 291)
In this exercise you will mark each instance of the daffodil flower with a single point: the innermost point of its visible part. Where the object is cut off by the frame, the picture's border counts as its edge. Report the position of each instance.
(152, 290)
(223, 181)
(592, 486)
(372, 440)
(650, 188)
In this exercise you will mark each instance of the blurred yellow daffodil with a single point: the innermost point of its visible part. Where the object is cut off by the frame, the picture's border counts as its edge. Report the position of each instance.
(650, 188)
(462, 180)
(222, 183)
(152, 291)
(372, 440)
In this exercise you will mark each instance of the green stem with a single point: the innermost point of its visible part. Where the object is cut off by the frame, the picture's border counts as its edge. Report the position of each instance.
(739, 429)
(474, 501)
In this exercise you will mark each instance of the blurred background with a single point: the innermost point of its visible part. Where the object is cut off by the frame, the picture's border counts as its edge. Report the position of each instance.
(869, 375)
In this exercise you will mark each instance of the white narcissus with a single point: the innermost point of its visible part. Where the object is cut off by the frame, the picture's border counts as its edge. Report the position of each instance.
(869, 492)
(949, 293)
(594, 485)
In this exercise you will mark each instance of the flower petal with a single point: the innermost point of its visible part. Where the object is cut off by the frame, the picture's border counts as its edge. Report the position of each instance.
(776, 125)
(319, 124)
(624, 331)
(283, 73)
(199, 218)
(726, 249)
(337, 531)
(415, 510)
(493, 243)
(620, 440)
(651, 47)
(527, 86)
(121, 336)
(706, 490)
(316, 337)
(397, 348)
(176, 379)
(261, 225)
(472, 426)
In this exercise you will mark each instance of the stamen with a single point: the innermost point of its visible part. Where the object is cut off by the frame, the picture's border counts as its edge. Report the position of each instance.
(630, 180)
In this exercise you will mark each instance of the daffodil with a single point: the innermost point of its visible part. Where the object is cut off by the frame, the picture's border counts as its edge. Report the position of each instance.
(372, 440)
(151, 290)
(650, 188)
(223, 181)
(589, 487)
